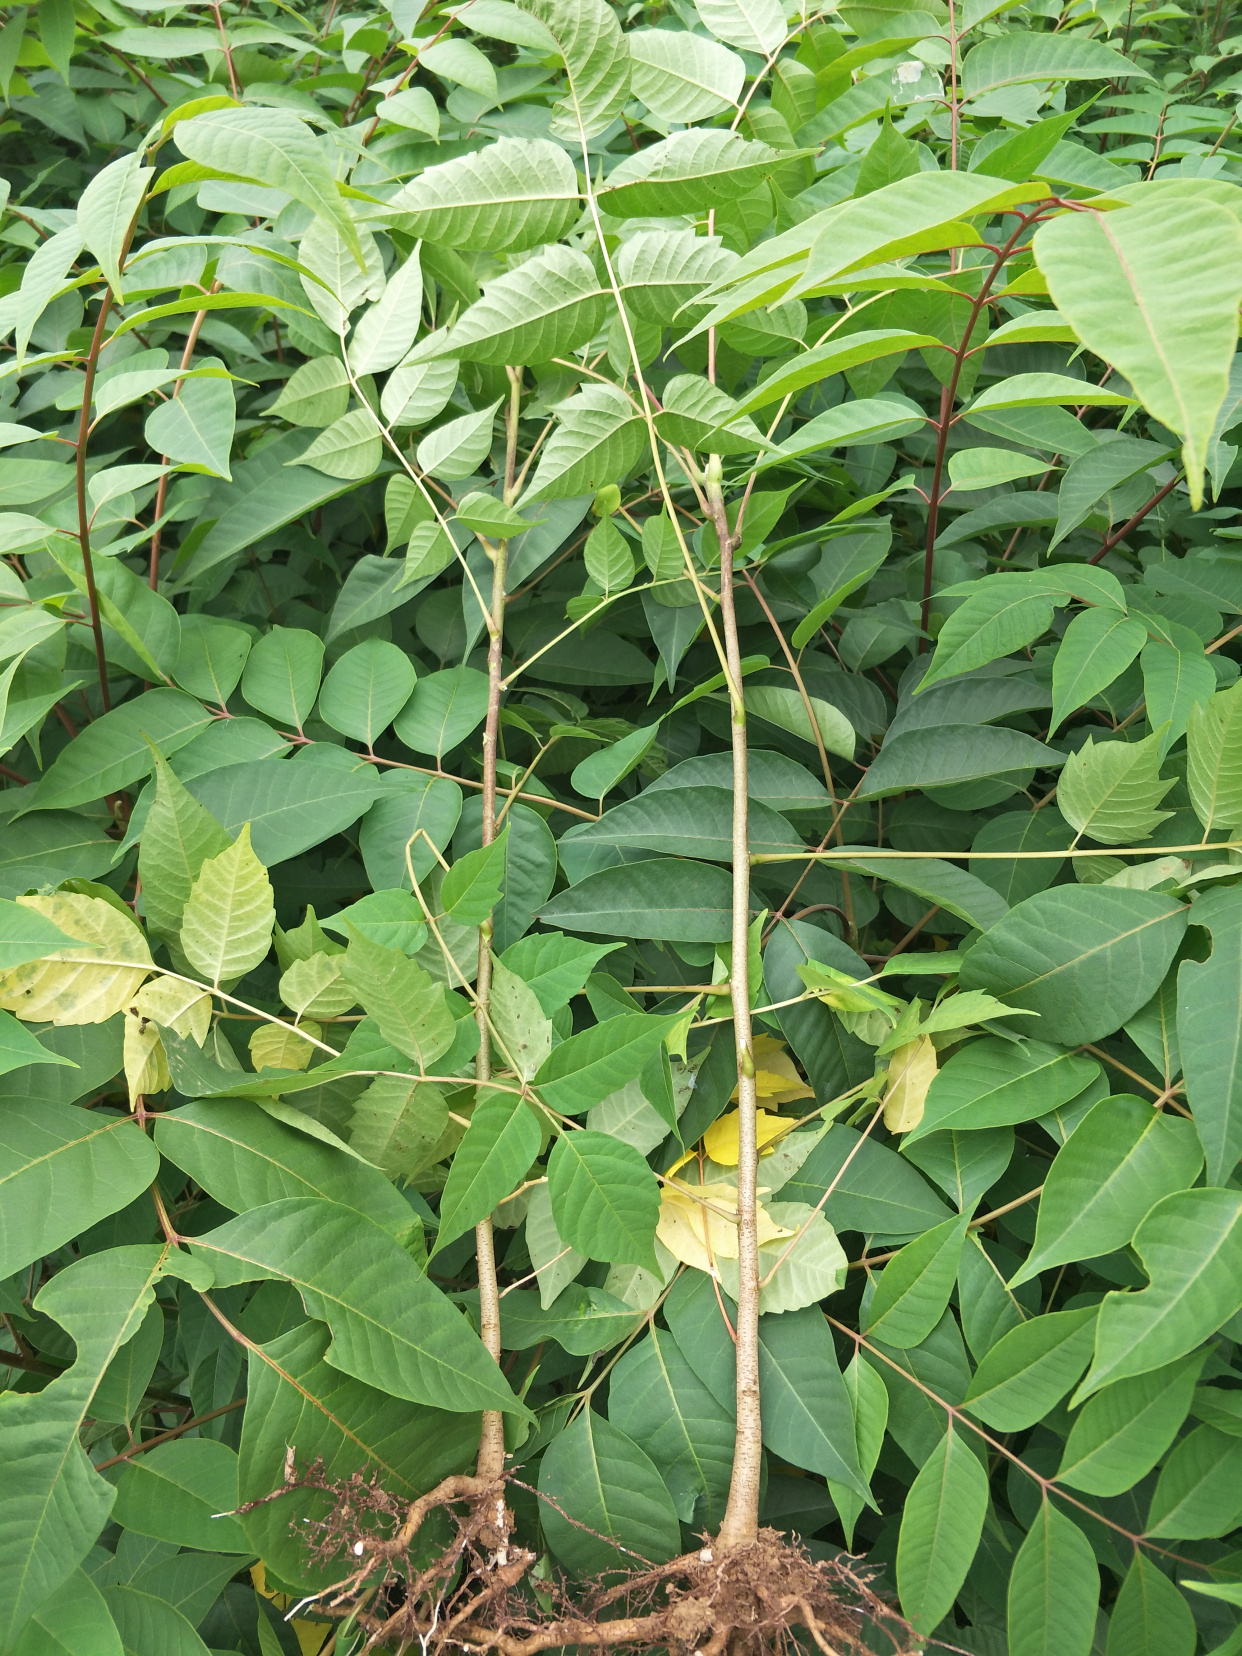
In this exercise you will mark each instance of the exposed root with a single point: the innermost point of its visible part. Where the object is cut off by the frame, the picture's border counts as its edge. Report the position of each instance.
(765, 1598)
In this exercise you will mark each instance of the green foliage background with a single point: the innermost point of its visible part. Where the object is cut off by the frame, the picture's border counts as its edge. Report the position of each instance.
(339, 343)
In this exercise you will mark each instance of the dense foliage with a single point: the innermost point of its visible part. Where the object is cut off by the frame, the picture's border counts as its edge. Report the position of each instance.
(585, 596)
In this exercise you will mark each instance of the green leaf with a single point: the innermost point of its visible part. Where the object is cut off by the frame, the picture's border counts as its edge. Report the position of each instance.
(598, 439)
(1214, 759)
(586, 1067)
(1198, 1493)
(1097, 648)
(349, 449)
(1178, 678)
(500, 1144)
(603, 1484)
(315, 394)
(516, 193)
(872, 1188)
(265, 494)
(295, 1396)
(73, 1622)
(656, 1399)
(25, 934)
(597, 64)
(786, 710)
(391, 1328)
(174, 1492)
(554, 967)
(605, 1198)
(833, 357)
(288, 806)
(1005, 614)
(524, 1032)
(682, 77)
(1110, 791)
(114, 750)
(275, 149)
(1086, 958)
(365, 689)
(55, 1501)
(952, 753)
(711, 165)
(444, 709)
(1207, 991)
(1053, 1589)
(108, 206)
(692, 821)
(807, 1418)
(869, 1401)
(1012, 59)
(178, 837)
(994, 1083)
(1029, 1370)
(146, 1622)
(407, 1004)
(237, 1153)
(913, 1289)
(472, 886)
(195, 427)
(663, 898)
(399, 1125)
(282, 673)
(61, 1171)
(1167, 324)
(754, 25)
(599, 773)
(1190, 1245)
(1123, 1430)
(1150, 1617)
(1123, 1158)
(226, 927)
(544, 309)
(941, 1524)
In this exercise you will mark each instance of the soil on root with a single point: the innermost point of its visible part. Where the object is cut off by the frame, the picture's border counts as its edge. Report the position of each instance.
(477, 1593)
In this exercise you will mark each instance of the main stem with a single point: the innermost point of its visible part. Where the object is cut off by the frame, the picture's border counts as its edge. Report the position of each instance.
(491, 1462)
(741, 1519)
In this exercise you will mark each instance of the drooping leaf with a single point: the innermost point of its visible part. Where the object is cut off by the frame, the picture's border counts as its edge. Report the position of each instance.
(604, 1484)
(1166, 324)
(940, 1528)
(391, 1328)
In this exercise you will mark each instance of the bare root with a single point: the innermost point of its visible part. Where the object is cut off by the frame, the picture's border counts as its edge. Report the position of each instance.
(766, 1597)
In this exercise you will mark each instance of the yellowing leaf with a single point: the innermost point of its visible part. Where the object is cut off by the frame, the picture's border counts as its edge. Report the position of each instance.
(274, 1047)
(775, 1075)
(64, 987)
(721, 1138)
(698, 1224)
(911, 1071)
(182, 1007)
(316, 985)
(144, 1059)
(227, 926)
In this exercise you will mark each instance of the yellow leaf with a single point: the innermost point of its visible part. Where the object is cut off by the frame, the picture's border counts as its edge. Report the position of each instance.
(143, 1057)
(272, 1047)
(720, 1139)
(911, 1071)
(697, 1233)
(64, 987)
(182, 1007)
(315, 985)
(776, 1078)
(226, 929)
